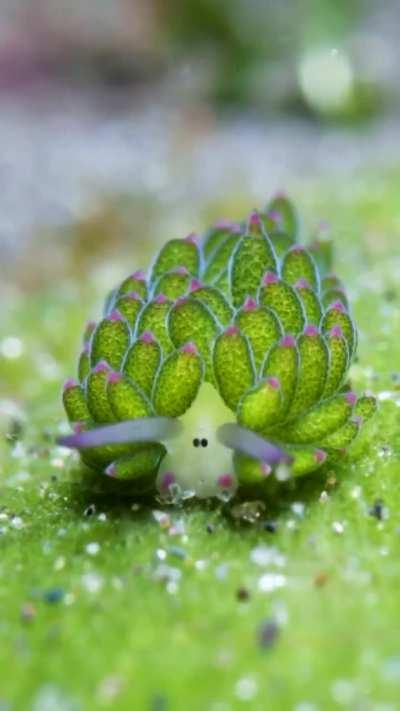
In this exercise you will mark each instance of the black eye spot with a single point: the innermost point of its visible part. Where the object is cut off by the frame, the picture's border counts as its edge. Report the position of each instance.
(204, 442)
(196, 442)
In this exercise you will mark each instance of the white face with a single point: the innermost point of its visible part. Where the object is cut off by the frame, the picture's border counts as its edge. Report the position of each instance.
(196, 458)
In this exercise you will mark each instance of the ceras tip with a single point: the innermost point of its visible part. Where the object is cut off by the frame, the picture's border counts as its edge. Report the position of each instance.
(302, 283)
(70, 384)
(288, 341)
(232, 331)
(273, 382)
(114, 316)
(320, 455)
(147, 337)
(167, 480)
(336, 332)
(114, 377)
(250, 304)
(311, 330)
(139, 275)
(160, 299)
(192, 238)
(225, 481)
(190, 349)
(101, 367)
(270, 278)
(110, 470)
(195, 285)
(351, 398)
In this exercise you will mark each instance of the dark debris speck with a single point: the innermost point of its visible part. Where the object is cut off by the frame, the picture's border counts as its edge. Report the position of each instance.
(53, 595)
(270, 526)
(377, 509)
(242, 594)
(90, 510)
(267, 633)
(210, 528)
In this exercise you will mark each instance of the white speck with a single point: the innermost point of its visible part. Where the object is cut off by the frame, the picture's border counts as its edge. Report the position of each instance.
(59, 563)
(384, 551)
(117, 583)
(162, 518)
(390, 670)
(282, 472)
(57, 462)
(267, 555)
(386, 395)
(305, 706)
(161, 554)
(92, 582)
(271, 581)
(323, 497)
(69, 599)
(102, 517)
(3, 516)
(298, 508)
(200, 564)
(338, 527)
(291, 524)
(17, 522)
(11, 347)
(177, 528)
(166, 573)
(246, 688)
(221, 571)
(343, 691)
(92, 548)
(172, 587)
(356, 492)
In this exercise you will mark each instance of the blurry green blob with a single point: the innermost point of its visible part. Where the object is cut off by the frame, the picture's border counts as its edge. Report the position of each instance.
(142, 362)
(253, 257)
(298, 264)
(110, 341)
(84, 364)
(261, 406)
(177, 253)
(285, 215)
(178, 382)
(153, 319)
(261, 326)
(284, 301)
(192, 322)
(126, 400)
(233, 366)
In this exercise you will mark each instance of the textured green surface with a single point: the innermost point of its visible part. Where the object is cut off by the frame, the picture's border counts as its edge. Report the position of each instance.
(121, 635)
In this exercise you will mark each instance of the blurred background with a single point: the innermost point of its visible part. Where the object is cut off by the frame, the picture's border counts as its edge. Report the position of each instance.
(127, 122)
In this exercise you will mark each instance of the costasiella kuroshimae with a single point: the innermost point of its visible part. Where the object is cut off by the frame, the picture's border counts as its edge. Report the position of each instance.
(224, 367)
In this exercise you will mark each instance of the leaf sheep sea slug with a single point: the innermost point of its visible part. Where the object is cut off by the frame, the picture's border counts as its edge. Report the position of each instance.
(225, 366)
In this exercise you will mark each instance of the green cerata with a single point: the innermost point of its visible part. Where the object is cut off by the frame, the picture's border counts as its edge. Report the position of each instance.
(224, 367)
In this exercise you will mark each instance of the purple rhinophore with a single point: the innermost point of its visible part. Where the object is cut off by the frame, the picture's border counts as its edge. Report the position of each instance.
(270, 278)
(254, 219)
(298, 249)
(139, 275)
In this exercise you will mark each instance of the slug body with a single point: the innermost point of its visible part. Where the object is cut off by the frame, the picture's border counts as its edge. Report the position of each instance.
(244, 326)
